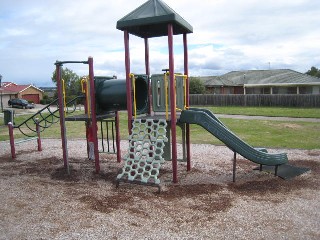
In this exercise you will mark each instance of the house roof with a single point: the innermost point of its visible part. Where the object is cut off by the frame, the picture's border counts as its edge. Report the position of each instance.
(10, 87)
(4, 84)
(151, 19)
(253, 78)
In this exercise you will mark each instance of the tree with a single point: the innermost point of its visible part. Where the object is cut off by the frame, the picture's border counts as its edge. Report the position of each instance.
(72, 82)
(196, 86)
(314, 72)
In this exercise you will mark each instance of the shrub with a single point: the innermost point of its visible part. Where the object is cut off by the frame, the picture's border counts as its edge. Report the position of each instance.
(196, 86)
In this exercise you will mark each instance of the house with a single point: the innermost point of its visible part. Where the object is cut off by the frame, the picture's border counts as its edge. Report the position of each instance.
(28, 92)
(49, 91)
(277, 81)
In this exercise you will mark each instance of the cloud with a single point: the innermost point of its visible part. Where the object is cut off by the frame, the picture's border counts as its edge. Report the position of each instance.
(237, 35)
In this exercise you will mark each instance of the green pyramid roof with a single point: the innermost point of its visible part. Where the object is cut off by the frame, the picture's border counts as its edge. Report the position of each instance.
(151, 20)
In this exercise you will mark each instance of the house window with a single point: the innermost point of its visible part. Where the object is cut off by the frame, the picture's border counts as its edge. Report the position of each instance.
(316, 90)
(292, 90)
(251, 91)
(285, 90)
(305, 90)
(238, 90)
(265, 90)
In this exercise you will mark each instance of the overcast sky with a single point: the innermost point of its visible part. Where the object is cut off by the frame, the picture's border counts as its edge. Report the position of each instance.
(228, 35)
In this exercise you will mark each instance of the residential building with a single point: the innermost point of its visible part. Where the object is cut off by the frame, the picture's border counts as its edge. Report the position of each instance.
(277, 81)
(28, 92)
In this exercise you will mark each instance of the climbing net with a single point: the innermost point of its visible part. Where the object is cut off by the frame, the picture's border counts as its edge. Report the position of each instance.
(144, 157)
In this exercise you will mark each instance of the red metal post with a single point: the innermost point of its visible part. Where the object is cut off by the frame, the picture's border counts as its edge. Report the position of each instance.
(186, 72)
(93, 115)
(173, 106)
(87, 134)
(86, 100)
(62, 118)
(118, 137)
(38, 134)
(147, 64)
(13, 149)
(128, 79)
(86, 113)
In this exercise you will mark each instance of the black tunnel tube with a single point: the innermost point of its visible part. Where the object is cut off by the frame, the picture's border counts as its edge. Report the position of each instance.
(111, 94)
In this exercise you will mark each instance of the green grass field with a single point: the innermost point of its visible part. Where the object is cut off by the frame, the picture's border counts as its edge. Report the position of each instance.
(260, 133)
(275, 134)
(267, 111)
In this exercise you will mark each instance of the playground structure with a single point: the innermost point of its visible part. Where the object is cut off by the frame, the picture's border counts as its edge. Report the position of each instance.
(32, 127)
(155, 104)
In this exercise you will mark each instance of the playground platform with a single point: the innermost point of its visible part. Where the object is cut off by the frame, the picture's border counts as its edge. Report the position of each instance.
(84, 117)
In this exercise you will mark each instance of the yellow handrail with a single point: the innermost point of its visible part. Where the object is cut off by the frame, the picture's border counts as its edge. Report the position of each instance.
(134, 95)
(83, 80)
(87, 92)
(166, 94)
(185, 77)
(64, 96)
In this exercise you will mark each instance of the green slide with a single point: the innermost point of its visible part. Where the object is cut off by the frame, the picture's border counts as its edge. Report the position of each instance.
(212, 124)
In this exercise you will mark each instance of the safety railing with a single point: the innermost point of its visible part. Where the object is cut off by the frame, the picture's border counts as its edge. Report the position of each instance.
(184, 86)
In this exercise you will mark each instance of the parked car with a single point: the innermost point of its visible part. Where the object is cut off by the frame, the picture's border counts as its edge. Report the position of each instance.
(20, 103)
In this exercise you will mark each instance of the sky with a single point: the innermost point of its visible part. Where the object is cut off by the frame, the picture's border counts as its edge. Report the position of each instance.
(228, 35)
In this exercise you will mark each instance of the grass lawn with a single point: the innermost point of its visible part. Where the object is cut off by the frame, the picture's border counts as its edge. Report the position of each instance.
(276, 134)
(267, 111)
(260, 133)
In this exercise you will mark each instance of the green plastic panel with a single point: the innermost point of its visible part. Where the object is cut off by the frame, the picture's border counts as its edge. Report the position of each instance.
(159, 92)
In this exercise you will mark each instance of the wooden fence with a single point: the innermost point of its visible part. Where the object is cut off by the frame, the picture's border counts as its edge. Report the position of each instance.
(272, 100)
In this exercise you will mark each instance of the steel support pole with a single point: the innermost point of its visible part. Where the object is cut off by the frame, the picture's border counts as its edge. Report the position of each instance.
(38, 134)
(13, 149)
(147, 65)
(234, 167)
(173, 116)
(93, 115)
(186, 72)
(62, 118)
(117, 120)
(86, 113)
(128, 79)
